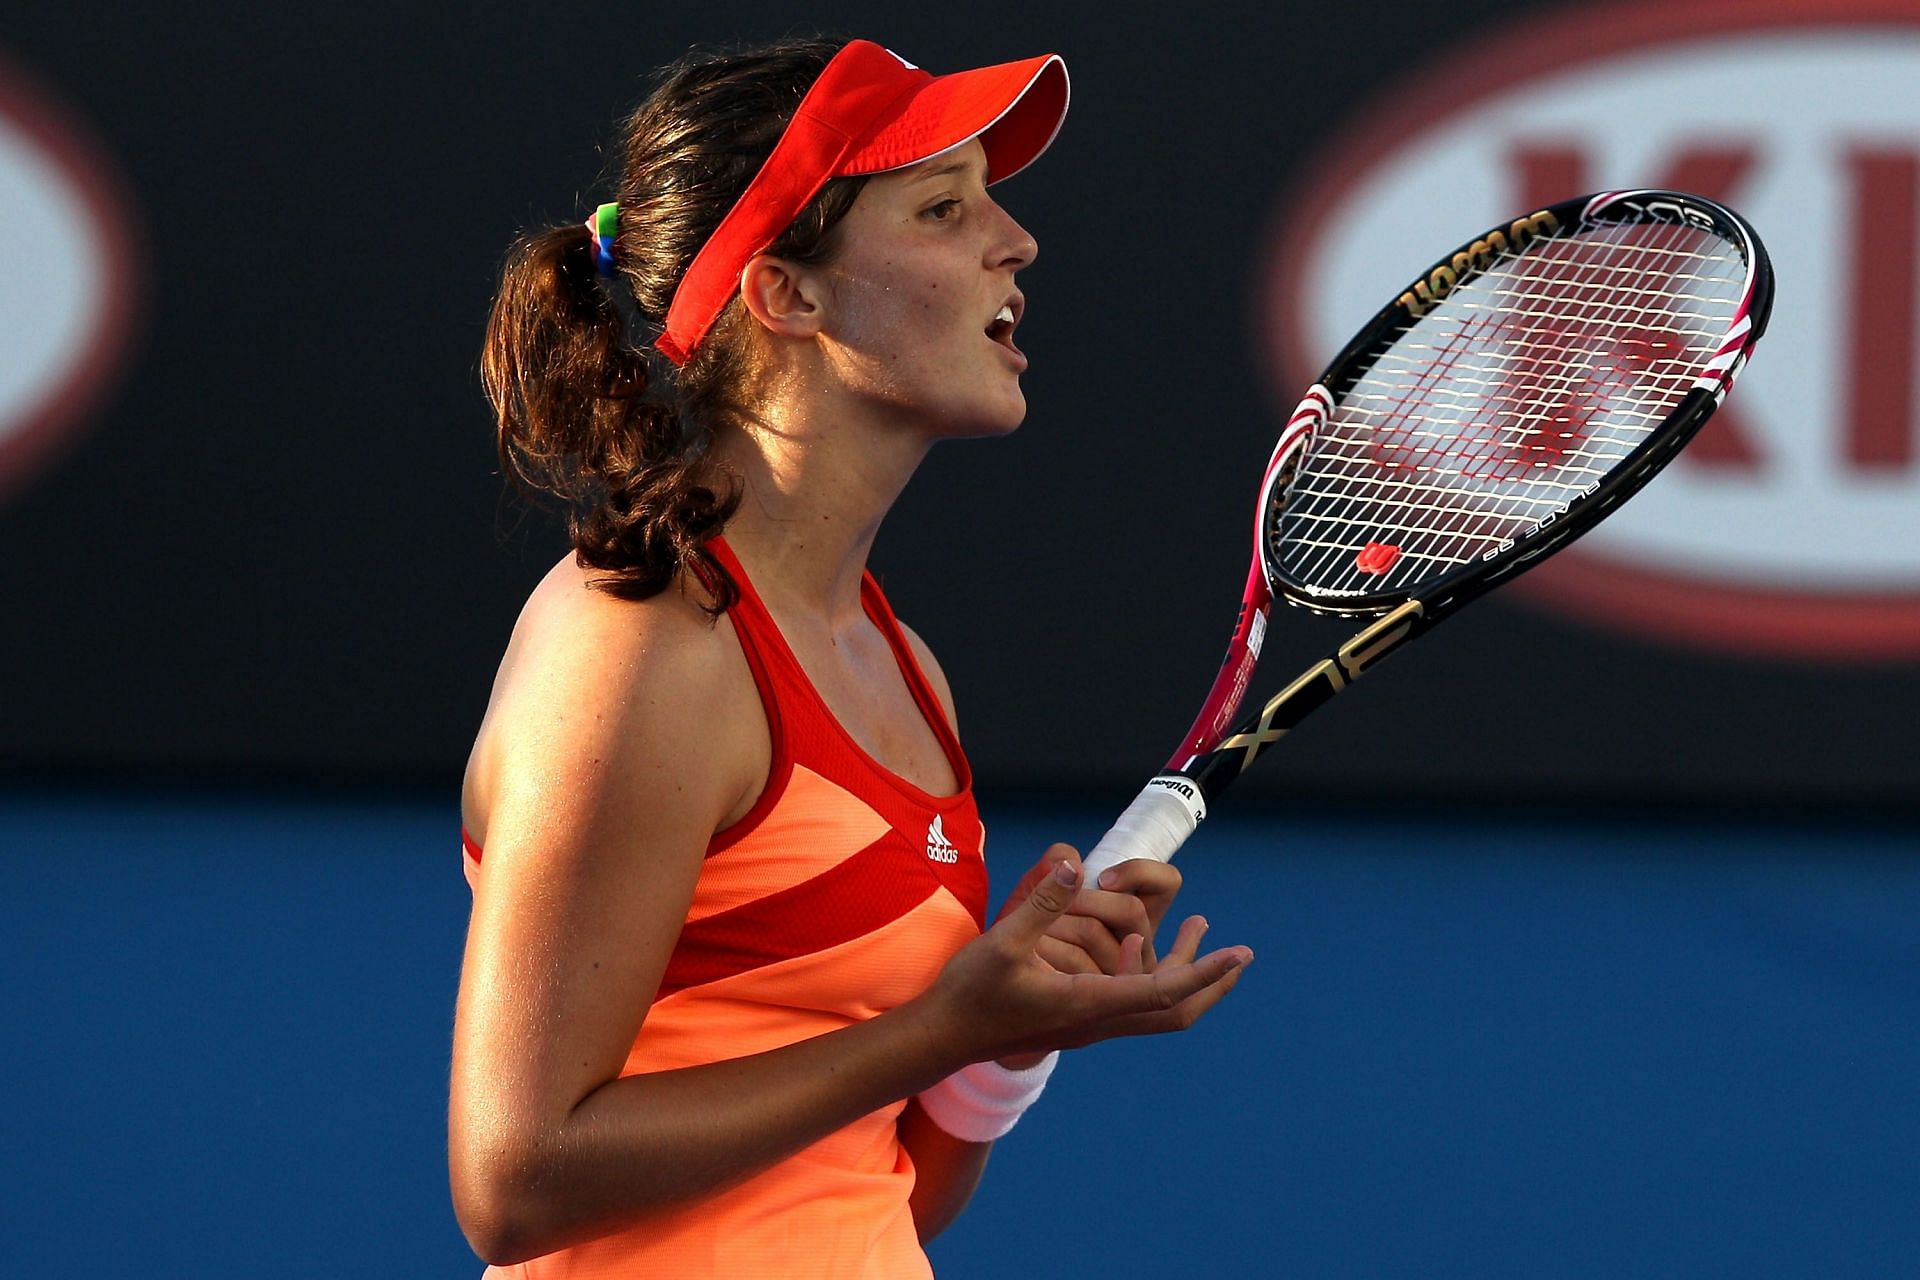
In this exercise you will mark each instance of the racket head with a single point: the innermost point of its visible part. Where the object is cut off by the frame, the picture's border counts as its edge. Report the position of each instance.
(1508, 398)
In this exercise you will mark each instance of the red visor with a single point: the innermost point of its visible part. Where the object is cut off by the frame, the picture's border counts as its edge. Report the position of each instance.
(870, 111)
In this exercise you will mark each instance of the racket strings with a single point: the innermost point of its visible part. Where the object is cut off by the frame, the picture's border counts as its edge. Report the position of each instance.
(1524, 412)
(1418, 526)
(1400, 405)
(1547, 371)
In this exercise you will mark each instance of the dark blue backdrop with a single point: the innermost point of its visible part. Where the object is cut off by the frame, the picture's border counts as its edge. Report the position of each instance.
(1543, 1048)
(278, 549)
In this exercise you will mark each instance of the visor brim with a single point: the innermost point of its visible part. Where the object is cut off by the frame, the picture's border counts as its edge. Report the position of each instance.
(1015, 109)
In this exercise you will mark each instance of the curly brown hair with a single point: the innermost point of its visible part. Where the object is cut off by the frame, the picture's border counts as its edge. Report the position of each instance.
(587, 412)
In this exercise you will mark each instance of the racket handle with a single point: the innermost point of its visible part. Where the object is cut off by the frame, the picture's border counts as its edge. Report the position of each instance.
(1154, 826)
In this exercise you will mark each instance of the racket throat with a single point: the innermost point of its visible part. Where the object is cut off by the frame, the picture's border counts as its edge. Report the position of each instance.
(1236, 672)
(1311, 690)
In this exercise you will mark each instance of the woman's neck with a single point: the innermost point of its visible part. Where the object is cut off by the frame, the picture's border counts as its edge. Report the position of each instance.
(815, 488)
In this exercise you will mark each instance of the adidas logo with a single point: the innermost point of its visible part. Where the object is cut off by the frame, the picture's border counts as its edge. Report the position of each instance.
(939, 848)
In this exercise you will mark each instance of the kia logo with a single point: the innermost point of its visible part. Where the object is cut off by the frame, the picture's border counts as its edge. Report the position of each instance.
(67, 257)
(1791, 526)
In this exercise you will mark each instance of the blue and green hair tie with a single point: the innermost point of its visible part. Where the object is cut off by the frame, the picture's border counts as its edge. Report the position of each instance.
(603, 226)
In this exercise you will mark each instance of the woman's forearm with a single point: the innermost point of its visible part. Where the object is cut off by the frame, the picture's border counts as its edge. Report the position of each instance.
(639, 1143)
(643, 1143)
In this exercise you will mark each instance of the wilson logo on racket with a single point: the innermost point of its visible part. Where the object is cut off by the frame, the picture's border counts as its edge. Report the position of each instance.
(1797, 509)
(1179, 786)
(67, 256)
(1445, 277)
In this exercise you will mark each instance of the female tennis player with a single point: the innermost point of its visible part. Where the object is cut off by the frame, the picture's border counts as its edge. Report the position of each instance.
(730, 1003)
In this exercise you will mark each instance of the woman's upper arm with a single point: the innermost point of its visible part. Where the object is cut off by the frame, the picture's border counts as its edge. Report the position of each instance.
(617, 751)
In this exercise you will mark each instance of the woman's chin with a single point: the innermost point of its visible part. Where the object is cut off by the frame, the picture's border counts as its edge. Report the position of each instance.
(1004, 420)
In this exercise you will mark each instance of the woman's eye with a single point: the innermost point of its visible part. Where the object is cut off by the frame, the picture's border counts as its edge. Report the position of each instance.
(943, 211)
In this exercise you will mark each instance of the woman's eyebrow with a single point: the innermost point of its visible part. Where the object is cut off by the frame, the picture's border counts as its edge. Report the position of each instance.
(941, 171)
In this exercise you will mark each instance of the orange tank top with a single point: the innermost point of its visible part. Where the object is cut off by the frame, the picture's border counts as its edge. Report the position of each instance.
(839, 896)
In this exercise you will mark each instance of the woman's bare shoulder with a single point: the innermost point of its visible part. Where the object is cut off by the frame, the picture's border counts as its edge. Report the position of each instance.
(568, 617)
(637, 677)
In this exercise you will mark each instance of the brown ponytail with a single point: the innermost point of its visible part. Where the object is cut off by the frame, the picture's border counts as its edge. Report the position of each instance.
(573, 390)
(575, 421)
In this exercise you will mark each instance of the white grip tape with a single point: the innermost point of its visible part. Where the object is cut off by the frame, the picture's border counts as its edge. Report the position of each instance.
(1154, 826)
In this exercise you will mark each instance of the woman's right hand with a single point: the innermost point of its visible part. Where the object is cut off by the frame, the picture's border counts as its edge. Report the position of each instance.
(997, 997)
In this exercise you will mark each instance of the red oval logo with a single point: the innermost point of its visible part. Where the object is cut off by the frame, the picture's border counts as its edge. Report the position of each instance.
(67, 254)
(1792, 525)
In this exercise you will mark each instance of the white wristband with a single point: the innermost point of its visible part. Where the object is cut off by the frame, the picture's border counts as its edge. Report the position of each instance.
(981, 1102)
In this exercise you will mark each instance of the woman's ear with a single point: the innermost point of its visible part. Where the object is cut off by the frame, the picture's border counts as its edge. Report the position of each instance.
(783, 296)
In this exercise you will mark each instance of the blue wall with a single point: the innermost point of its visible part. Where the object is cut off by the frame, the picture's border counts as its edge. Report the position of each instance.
(292, 482)
(1531, 1049)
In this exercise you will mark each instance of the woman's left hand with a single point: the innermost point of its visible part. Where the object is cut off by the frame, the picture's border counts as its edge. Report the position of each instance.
(1131, 898)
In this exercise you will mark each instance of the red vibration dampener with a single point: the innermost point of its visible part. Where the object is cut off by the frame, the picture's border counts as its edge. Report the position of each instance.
(1376, 557)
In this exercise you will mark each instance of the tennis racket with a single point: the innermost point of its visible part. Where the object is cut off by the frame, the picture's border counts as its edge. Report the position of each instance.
(1503, 404)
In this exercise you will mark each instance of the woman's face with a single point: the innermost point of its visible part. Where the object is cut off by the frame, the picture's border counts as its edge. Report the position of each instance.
(925, 263)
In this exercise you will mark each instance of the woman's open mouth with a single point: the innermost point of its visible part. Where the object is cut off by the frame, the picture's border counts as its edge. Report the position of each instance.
(1000, 330)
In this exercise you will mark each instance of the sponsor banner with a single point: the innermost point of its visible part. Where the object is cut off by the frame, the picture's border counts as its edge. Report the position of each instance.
(72, 277)
(1792, 525)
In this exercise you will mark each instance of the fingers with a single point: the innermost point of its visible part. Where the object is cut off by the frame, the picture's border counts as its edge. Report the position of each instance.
(1023, 925)
(1057, 852)
(1099, 920)
(1149, 1001)
(1067, 965)
(1080, 945)
(1036, 873)
(1186, 943)
(1191, 1009)
(1142, 876)
(1153, 884)
(1175, 983)
(1120, 913)
(1068, 957)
